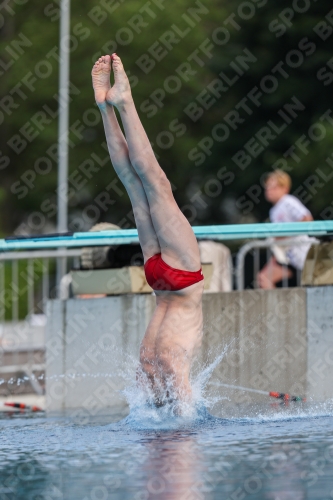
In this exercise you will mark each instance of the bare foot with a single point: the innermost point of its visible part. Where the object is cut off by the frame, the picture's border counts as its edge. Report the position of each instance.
(120, 93)
(101, 79)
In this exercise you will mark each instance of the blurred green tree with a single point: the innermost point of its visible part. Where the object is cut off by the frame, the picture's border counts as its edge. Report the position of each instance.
(194, 68)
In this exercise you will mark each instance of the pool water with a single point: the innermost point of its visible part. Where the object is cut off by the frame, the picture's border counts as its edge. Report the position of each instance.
(280, 453)
(213, 449)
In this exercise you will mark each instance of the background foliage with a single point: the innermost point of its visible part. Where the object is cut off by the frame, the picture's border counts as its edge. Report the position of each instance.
(255, 26)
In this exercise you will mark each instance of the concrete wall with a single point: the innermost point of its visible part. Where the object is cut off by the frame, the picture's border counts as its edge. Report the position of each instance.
(320, 342)
(280, 340)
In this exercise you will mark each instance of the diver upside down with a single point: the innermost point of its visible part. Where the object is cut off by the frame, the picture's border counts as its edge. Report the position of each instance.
(169, 246)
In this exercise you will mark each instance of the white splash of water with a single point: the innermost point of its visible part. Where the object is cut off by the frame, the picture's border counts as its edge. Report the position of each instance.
(144, 413)
(173, 414)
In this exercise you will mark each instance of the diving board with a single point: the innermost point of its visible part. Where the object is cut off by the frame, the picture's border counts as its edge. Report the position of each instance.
(125, 236)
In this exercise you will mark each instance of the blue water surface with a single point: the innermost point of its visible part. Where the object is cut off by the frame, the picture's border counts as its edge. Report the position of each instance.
(277, 453)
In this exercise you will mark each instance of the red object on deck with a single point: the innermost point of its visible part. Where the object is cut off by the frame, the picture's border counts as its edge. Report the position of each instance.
(36, 408)
(17, 405)
(286, 397)
(23, 406)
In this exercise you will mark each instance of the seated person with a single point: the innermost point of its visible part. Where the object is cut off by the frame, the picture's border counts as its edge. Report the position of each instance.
(286, 208)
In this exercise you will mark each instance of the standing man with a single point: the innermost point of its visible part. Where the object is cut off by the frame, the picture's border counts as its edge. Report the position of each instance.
(286, 208)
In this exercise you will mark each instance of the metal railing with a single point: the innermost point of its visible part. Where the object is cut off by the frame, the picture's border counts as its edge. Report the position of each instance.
(255, 247)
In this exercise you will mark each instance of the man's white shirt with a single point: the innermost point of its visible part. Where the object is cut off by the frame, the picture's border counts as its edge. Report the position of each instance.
(290, 209)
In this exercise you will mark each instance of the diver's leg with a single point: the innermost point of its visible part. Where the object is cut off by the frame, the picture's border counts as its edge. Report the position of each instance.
(118, 150)
(119, 155)
(178, 244)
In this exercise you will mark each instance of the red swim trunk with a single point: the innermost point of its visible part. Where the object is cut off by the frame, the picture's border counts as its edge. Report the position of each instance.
(161, 276)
